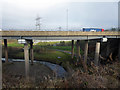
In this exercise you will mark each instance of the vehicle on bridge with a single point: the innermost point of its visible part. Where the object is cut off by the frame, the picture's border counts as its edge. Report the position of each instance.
(93, 30)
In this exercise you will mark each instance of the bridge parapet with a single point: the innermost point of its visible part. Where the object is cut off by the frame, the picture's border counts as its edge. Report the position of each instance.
(58, 33)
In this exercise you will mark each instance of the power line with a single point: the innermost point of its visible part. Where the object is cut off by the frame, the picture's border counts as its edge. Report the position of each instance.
(38, 24)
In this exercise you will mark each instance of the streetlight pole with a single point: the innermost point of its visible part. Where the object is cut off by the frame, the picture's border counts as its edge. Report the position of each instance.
(67, 20)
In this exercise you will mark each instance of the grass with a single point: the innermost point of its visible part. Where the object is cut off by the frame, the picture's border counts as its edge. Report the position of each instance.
(47, 43)
(15, 45)
(40, 53)
(61, 45)
(46, 51)
(65, 48)
(52, 56)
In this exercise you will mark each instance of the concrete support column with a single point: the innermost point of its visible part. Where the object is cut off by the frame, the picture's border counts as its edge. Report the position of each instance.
(72, 52)
(97, 51)
(26, 56)
(85, 52)
(78, 50)
(0, 64)
(6, 50)
(108, 49)
(31, 52)
(119, 51)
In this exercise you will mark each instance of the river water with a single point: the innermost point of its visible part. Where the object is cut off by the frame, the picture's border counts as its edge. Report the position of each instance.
(59, 70)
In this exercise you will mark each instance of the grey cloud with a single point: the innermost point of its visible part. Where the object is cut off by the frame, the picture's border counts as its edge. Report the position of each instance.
(96, 14)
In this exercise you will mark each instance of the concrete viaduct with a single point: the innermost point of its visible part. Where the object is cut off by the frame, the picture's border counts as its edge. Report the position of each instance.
(29, 36)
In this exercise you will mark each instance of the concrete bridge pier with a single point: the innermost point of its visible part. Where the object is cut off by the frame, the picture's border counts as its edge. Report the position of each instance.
(6, 50)
(31, 52)
(72, 52)
(119, 51)
(108, 49)
(0, 64)
(78, 50)
(86, 51)
(97, 51)
(26, 56)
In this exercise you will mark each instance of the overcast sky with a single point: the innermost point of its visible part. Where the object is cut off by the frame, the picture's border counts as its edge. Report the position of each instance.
(21, 14)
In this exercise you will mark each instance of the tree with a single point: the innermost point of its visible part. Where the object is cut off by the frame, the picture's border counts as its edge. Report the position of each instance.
(113, 29)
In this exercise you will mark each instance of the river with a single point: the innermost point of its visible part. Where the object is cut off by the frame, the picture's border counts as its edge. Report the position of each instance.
(60, 71)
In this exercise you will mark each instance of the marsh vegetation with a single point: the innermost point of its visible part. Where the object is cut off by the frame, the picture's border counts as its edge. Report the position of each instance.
(104, 76)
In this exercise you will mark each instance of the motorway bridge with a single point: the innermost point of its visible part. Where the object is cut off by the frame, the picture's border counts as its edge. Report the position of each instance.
(57, 35)
(29, 36)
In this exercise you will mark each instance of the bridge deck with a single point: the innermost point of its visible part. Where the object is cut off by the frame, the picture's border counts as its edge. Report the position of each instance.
(57, 33)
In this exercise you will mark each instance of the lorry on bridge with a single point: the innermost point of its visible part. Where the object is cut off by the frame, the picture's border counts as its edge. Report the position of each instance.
(93, 30)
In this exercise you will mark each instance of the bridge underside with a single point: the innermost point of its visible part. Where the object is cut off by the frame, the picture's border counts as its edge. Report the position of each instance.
(58, 38)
